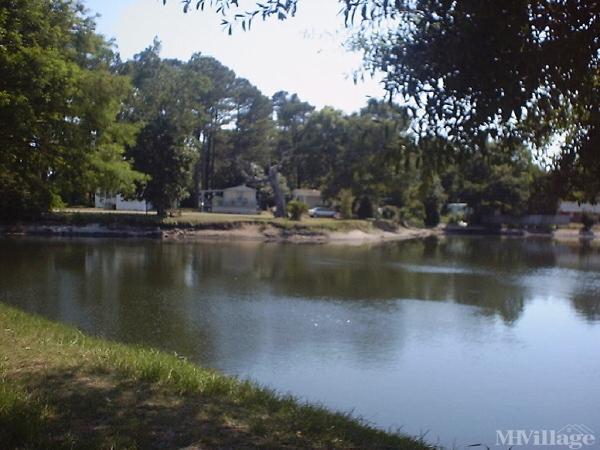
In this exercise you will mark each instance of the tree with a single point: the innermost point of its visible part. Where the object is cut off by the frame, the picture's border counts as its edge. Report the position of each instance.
(59, 104)
(495, 182)
(365, 208)
(218, 106)
(434, 197)
(164, 149)
(291, 114)
(479, 68)
(160, 153)
(291, 117)
(346, 201)
(378, 155)
(523, 70)
(233, 125)
(296, 209)
(250, 139)
(320, 147)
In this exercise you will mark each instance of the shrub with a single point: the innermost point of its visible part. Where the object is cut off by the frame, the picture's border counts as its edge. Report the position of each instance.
(365, 208)
(454, 219)
(296, 208)
(434, 198)
(346, 201)
(588, 221)
(390, 212)
(413, 214)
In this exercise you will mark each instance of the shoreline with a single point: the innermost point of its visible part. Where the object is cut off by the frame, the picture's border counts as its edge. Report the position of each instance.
(250, 231)
(342, 233)
(61, 388)
(559, 235)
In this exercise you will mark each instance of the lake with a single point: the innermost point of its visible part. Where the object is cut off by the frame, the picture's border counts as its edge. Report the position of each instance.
(455, 337)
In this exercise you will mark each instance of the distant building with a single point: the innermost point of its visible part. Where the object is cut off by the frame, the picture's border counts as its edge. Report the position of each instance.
(312, 197)
(459, 209)
(574, 209)
(119, 203)
(234, 200)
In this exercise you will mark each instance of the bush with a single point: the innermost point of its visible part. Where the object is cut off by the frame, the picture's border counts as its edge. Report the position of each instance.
(296, 208)
(588, 221)
(365, 208)
(412, 215)
(434, 198)
(454, 219)
(390, 212)
(346, 200)
(432, 212)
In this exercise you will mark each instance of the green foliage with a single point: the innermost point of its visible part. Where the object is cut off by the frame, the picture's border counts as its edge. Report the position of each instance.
(389, 212)
(346, 202)
(498, 182)
(544, 193)
(23, 194)
(296, 209)
(161, 153)
(267, 196)
(59, 102)
(479, 69)
(588, 221)
(233, 128)
(434, 198)
(21, 416)
(454, 219)
(492, 68)
(195, 124)
(145, 380)
(163, 149)
(365, 208)
(412, 214)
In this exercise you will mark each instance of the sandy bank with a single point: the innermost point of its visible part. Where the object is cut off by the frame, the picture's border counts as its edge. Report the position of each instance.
(296, 235)
(246, 232)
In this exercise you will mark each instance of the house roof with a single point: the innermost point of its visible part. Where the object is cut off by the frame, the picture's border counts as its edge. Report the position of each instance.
(314, 192)
(241, 187)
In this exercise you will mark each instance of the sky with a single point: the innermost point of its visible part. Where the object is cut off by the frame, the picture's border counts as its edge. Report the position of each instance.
(302, 55)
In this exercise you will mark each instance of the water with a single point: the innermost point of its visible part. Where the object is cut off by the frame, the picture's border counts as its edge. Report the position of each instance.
(457, 337)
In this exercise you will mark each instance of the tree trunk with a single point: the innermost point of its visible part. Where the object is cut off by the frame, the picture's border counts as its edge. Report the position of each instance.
(280, 210)
(205, 162)
(198, 171)
(197, 185)
(161, 212)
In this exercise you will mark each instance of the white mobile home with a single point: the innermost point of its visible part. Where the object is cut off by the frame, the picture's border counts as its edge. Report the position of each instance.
(235, 200)
(119, 203)
(574, 209)
(312, 197)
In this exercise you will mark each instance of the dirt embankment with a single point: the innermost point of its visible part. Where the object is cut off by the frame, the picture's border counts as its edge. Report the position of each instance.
(270, 233)
(223, 232)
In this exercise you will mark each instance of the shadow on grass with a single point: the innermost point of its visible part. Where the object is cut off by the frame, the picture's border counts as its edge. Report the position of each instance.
(62, 389)
(94, 410)
(97, 410)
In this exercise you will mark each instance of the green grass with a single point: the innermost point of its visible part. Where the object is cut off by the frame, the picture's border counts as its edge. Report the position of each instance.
(60, 388)
(189, 219)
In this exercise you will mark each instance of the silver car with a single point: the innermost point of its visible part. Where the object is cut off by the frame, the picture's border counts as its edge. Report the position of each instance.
(321, 211)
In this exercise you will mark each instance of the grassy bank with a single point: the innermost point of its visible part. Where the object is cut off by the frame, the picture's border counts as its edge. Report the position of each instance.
(62, 389)
(189, 219)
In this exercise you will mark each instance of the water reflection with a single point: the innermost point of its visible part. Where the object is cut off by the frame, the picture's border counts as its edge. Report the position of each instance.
(116, 284)
(436, 325)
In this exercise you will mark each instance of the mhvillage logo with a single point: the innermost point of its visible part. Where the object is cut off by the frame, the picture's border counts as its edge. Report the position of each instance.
(569, 437)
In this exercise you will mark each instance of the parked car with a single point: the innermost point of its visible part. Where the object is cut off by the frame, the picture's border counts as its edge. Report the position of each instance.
(321, 211)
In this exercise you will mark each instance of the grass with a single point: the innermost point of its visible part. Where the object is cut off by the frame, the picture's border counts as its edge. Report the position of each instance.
(189, 219)
(60, 388)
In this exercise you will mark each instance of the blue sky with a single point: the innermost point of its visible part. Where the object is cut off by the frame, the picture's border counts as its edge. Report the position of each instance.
(303, 54)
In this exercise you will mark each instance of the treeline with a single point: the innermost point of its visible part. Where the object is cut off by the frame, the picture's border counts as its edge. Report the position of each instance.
(76, 120)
